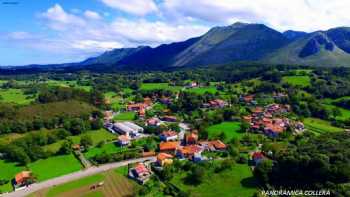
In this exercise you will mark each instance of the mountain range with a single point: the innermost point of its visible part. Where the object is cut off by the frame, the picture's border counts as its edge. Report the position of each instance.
(234, 43)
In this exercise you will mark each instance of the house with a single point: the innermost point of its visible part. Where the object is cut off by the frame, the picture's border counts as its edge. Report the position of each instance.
(148, 154)
(136, 106)
(218, 145)
(248, 99)
(189, 151)
(147, 101)
(153, 122)
(168, 136)
(215, 145)
(76, 147)
(192, 138)
(140, 173)
(273, 130)
(164, 159)
(169, 147)
(127, 128)
(299, 127)
(192, 84)
(123, 140)
(169, 118)
(108, 115)
(23, 178)
(257, 157)
(165, 100)
(217, 103)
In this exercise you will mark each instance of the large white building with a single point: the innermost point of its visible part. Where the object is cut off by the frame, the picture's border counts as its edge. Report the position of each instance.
(127, 128)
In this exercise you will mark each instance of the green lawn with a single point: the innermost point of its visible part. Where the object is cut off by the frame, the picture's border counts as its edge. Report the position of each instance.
(203, 90)
(54, 166)
(108, 148)
(97, 136)
(238, 181)
(302, 81)
(231, 129)
(15, 96)
(125, 116)
(55, 191)
(159, 86)
(319, 126)
(8, 172)
(345, 113)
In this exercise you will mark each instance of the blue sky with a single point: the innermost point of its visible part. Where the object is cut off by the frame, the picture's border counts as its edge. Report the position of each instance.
(57, 31)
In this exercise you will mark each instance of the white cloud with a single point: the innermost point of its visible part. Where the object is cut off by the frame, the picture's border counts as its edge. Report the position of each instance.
(92, 15)
(59, 19)
(308, 15)
(94, 45)
(136, 7)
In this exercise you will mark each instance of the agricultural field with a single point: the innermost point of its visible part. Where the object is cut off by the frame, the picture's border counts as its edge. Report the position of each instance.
(344, 113)
(302, 81)
(54, 166)
(7, 172)
(159, 86)
(115, 100)
(319, 126)
(15, 96)
(231, 130)
(109, 148)
(125, 116)
(67, 84)
(115, 185)
(238, 181)
(203, 90)
(96, 136)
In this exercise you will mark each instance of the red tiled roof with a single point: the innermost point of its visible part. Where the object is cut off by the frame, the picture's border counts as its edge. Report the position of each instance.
(168, 146)
(141, 168)
(22, 176)
(218, 144)
(169, 133)
(190, 149)
(163, 156)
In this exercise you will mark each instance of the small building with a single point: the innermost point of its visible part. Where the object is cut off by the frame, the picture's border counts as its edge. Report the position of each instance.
(127, 128)
(257, 157)
(140, 173)
(189, 151)
(22, 179)
(218, 145)
(168, 136)
(153, 122)
(169, 118)
(108, 115)
(164, 159)
(192, 138)
(217, 103)
(123, 140)
(169, 147)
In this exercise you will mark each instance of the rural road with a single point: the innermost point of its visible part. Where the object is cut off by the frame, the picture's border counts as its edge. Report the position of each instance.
(73, 176)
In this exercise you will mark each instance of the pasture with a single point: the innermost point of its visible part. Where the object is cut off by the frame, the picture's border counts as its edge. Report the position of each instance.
(15, 96)
(302, 81)
(159, 86)
(115, 185)
(8, 171)
(54, 166)
(125, 116)
(319, 126)
(238, 181)
(231, 130)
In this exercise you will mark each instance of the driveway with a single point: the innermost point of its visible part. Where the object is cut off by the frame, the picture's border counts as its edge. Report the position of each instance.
(73, 176)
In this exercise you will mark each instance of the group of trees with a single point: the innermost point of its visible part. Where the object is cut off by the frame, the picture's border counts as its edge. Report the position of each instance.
(310, 162)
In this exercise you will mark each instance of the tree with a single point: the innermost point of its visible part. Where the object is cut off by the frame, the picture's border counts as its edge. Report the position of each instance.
(263, 170)
(86, 141)
(66, 147)
(196, 175)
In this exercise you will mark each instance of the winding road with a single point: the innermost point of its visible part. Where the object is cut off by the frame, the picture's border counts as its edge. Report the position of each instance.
(73, 176)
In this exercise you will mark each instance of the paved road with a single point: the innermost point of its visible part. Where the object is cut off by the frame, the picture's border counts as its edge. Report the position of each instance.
(73, 176)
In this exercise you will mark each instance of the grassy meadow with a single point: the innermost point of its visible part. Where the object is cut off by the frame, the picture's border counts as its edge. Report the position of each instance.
(302, 81)
(319, 126)
(15, 96)
(231, 130)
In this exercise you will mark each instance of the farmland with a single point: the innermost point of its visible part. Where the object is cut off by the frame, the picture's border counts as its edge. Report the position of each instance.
(237, 181)
(54, 166)
(302, 81)
(109, 148)
(231, 130)
(7, 172)
(319, 126)
(115, 184)
(15, 96)
(159, 86)
(125, 116)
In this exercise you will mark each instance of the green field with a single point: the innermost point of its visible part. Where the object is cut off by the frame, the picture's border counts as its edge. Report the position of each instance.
(203, 90)
(319, 126)
(344, 113)
(108, 148)
(238, 181)
(67, 84)
(115, 184)
(54, 166)
(8, 172)
(302, 81)
(125, 116)
(231, 129)
(96, 136)
(75, 184)
(159, 86)
(15, 96)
